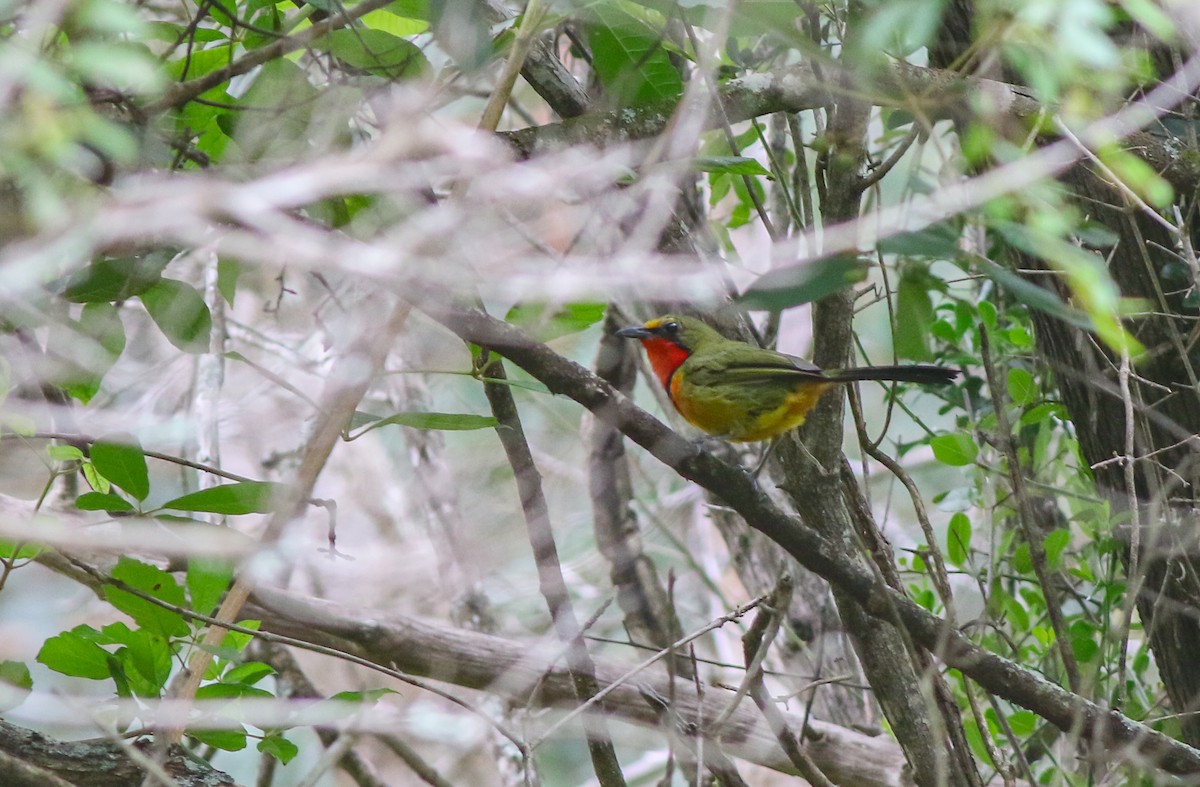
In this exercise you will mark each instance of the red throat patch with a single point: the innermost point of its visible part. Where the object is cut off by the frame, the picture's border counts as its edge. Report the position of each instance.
(665, 358)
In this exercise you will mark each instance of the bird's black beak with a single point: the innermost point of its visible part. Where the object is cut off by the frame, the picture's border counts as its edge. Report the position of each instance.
(634, 332)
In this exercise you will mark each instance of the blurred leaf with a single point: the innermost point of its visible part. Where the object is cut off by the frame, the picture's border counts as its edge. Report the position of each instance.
(146, 655)
(180, 313)
(1021, 387)
(1056, 541)
(545, 322)
(15, 674)
(731, 165)
(280, 107)
(937, 241)
(115, 279)
(399, 25)
(244, 497)
(784, 288)
(454, 422)
(914, 312)
(228, 272)
(955, 449)
(375, 51)
(119, 458)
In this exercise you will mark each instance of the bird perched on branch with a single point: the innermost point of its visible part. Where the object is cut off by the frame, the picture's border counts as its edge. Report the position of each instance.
(743, 393)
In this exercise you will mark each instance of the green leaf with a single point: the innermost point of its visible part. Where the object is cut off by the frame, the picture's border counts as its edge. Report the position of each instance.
(1056, 541)
(937, 242)
(94, 501)
(231, 691)
(956, 449)
(546, 323)
(279, 747)
(791, 286)
(731, 165)
(146, 656)
(226, 740)
(207, 580)
(228, 272)
(629, 53)
(1021, 387)
(244, 497)
(375, 51)
(115, 279)
(914, 313)
(453, 422)
(958, 539)
(1030, 294)
(76, 653)
(1023, 722)
(180, 313)
(120, 459)
(249, 673)
(16, 673)
(64, 453)
(94, 479)
(154, 582)
(17, 550)
(279, 117)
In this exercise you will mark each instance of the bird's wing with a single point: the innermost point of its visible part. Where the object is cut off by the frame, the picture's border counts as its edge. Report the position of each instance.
(754, 365)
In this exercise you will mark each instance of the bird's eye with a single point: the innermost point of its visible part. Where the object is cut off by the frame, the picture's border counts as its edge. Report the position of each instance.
(671, 327)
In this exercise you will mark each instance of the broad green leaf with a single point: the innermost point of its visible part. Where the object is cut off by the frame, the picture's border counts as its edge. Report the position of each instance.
(784, 288)
(119, 458)
(278, 747)
(958, 539)
(147, 655)
(94, 501)
(207, 580)
(955, 449)
(279, 114)
(114, 279)
(545, 322)
(1023, 722)
(95, 480)
(17, 550)
(244, 497)
(249, 673)
(731, 165)
(629, 52)
(15, 674)
(388, 21)
(76, 653)
(1021, 387)
(1056, 541)
(226, 740)
(180, 313)
(152, 581)
(375, 51)
(454, 422)
(64, 453)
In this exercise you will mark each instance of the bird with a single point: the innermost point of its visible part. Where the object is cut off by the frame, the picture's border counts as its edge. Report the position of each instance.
(742, 393)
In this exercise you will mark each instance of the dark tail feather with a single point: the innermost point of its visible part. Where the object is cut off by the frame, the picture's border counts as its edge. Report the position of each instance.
(913, 373)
